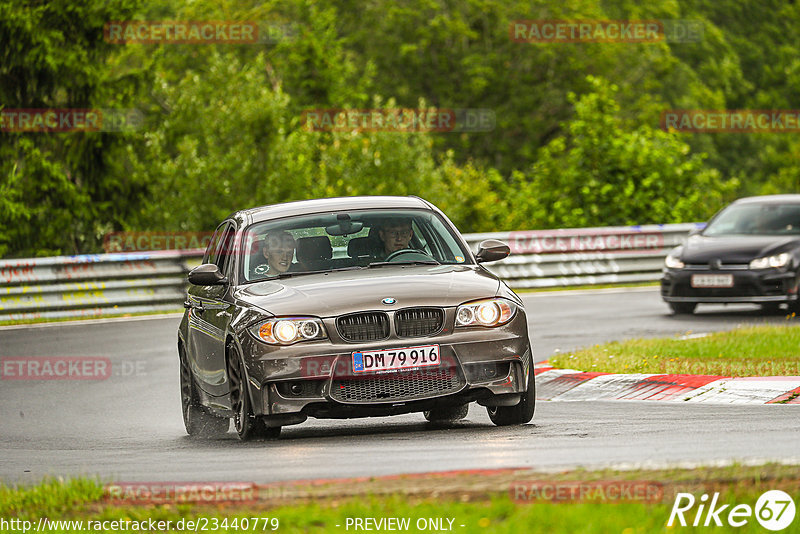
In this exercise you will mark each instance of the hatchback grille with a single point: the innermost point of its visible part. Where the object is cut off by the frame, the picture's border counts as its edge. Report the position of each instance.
(400, 386)
(368, 326)
(418, 322)
(722, 267)
(741, 289)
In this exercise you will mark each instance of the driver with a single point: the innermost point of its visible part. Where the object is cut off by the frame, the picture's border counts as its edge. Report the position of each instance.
(396, 235)
(764, 222)
(278, 251)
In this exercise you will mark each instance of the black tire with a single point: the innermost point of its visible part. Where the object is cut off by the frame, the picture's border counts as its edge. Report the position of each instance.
(519, 414)
(447, 414)
(683, 307)
(247, 425)
(197, 420)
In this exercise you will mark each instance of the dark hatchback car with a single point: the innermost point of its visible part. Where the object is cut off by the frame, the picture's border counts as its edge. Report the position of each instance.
(748, 252)
(349, 307)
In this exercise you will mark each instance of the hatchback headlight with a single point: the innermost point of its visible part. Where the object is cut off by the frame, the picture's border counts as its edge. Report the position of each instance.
(672, 262)
(289, 330)
(778, 260)
(488, 312)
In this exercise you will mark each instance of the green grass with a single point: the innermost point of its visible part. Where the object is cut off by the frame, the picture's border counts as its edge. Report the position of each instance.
(321, 508)
(751, 351)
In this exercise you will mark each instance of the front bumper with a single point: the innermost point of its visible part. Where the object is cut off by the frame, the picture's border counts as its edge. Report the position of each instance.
(749, 286)
(288, 384)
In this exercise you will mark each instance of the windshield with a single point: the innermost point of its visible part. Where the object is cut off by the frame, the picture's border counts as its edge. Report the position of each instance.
(347, 240)
(756, 219)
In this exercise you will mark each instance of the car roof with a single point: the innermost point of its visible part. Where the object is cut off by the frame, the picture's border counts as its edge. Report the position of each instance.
(769, 199)
(303, 207)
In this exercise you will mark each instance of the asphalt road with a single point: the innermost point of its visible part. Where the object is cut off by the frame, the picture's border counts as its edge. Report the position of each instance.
(567, 320)
(128, 427)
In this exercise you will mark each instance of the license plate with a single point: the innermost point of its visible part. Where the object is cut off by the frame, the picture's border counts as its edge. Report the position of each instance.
(712, 280)
(393, 359)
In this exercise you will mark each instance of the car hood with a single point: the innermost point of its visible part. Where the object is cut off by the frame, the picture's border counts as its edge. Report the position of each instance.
(340, 292)
(700, 249)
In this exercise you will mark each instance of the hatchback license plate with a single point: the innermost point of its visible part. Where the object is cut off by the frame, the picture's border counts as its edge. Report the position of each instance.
(386, 360)
(712, 280)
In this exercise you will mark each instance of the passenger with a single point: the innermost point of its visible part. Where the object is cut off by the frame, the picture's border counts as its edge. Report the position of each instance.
(278, 251)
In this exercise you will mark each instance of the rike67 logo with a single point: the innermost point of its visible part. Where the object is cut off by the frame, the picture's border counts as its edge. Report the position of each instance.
(774, 510)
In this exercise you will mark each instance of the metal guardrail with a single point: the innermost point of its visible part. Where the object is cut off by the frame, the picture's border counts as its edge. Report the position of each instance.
(94, 284)
(585, 256)
(109, 284)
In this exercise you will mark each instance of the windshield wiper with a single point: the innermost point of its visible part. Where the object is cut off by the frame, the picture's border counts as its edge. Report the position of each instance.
(288, 274)
(413, 262)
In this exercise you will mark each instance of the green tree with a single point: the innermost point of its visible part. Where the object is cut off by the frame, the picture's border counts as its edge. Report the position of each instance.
(603, 172)
(58, 196)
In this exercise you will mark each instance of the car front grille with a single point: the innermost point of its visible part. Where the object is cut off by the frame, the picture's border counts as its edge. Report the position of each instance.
(722, 266)
(741, 289)
(367, 326)
(419, 384)
(418, 322)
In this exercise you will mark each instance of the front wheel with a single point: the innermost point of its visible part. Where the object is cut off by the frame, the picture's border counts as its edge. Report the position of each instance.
(247, 425)
(196, 418)
(683, 307)
(519, 414)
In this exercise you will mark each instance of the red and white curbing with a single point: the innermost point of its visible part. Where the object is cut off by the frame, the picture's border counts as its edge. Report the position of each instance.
(570, 385)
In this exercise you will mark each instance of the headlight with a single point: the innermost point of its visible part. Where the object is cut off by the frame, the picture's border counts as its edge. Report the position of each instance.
(779, 260)
(489, 312)
(289, 330)
(672, 262)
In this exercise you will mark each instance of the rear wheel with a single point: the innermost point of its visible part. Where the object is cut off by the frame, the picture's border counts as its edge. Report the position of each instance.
(247, 425)
(519, 414)
(447, 414)
(683, 307)
(197, 420)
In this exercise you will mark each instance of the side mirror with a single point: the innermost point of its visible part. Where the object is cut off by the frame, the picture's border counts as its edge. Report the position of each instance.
(492, 250)
(207, 275)
(694, 231)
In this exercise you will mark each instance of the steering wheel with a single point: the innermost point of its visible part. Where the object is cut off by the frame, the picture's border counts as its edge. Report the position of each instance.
(396, 253)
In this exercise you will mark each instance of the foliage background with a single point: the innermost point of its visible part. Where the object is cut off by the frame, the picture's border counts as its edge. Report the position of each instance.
(577, 141)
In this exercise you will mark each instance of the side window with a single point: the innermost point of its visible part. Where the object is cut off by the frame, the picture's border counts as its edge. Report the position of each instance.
(224, 248)
(209, 256)
(219, 248)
